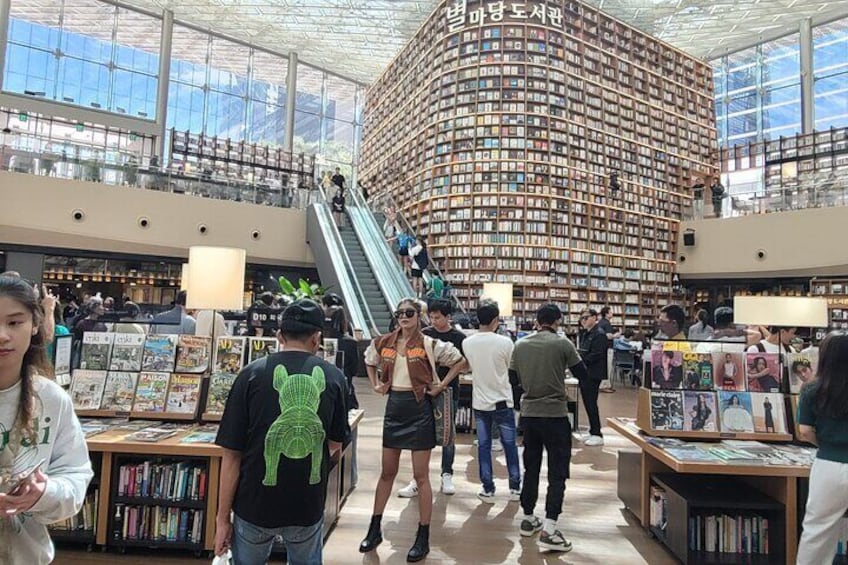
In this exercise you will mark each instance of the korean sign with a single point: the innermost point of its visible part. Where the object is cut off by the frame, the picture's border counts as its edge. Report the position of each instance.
(459, 15)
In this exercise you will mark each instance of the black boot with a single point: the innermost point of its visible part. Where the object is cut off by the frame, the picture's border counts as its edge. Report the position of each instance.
(421, 547)
(374, 536)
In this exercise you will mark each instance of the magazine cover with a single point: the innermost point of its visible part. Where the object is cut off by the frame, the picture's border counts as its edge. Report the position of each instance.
(699, 411)
(229, 354)
(62, 361)
(183, 394)
(769, 413)
(260, 347)
(193, 354)
(150, 392)
(697, 371)
(219, 389)
(127, 352)
(160, 351)
(763, 371)
(736, 414)
(802, 368)
(331, 346)
(202, 434)
(96, 347)
(729, 370)
(152, 434)
(87, 389)
(119, 392)
(667, 410)
(666, 369)
(659, 508)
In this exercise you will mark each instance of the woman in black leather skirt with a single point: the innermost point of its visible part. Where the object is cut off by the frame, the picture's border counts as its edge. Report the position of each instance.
(406, 376)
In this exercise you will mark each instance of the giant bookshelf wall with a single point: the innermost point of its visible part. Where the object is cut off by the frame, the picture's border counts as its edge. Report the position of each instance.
(497, 128)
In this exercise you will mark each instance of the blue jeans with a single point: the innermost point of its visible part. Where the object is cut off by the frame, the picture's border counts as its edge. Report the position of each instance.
(504, 419)
(252, 544)
(449, 451)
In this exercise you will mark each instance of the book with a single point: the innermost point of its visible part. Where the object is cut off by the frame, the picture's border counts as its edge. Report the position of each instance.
(160, 352)
(667, 410)
(802, 368)
(259, 347)
(96, 348)
(229, 354)
(666, 369)
(119, 393)
(697, 371)
(729, 370)
(192, 354)
(769, 411)
(93, 427)
(87, 389)
(658, 509)
(699, 411)
(219, 389)
(762, 371)
(183, 394)
(127, 352)
(203, 434)
(151, 434)
(735, 412)
(151, 392)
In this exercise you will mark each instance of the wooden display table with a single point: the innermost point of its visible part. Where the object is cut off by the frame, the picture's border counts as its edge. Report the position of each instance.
(780, 482)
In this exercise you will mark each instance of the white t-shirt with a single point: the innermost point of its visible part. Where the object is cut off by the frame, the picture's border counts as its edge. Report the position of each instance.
(489, 354)
(768, 346)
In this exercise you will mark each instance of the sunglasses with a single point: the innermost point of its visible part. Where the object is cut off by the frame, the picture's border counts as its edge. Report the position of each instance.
(410, 313)
(586, 317)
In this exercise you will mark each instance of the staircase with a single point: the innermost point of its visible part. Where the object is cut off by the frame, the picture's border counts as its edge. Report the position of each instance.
(367, 281)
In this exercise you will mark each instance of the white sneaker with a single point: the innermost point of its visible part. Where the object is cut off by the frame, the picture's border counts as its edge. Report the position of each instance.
(514, 495)
(447, 484)
(487, 497)
(593, 441)
(409, 491)
(496, 446)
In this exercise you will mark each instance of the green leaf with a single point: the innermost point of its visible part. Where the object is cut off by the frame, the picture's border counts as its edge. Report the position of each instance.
(286, 286)
(305, 288)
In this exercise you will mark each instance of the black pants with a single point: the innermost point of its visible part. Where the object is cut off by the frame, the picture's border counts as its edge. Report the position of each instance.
(554, 435)
(589, 391)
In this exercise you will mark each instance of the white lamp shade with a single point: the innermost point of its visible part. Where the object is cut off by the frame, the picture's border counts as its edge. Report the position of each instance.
(184, 278)
(500, 293)
(215, 278)
(786, 311)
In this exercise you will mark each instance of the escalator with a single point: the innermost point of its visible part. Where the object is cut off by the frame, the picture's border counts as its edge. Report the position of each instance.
(381, 311)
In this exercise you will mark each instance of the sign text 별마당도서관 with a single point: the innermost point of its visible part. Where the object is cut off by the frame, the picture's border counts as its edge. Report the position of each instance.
(459, 15)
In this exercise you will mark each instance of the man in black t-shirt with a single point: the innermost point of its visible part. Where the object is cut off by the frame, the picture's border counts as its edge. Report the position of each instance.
(606, 326)
(339, 180)
(284, 415)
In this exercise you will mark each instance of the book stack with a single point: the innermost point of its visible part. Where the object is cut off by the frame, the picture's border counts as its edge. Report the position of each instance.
(174, 481)
(85, 520)
(723, 533)
(157, 523)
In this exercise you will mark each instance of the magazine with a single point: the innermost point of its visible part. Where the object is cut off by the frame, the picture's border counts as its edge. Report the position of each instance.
(96, 347)
(119, 392)
(150, 392)
(667, 410)
(219, 389)
(802, 368)
(260, 347)
(202, 434)
(151, 434)
(763, 371)
(92, 427)
(229, 354)
(729, 370)
(330, 347)
(769, 413)
(699, 411)
(127, 352)
(666, 369)
(87, 389)
(160, 352)
(658, 509)
(62, 359)
(736, 415)
(193, 354)
(183, 394)
(697, 371)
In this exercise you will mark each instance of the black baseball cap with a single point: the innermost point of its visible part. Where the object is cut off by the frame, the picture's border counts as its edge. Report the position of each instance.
(332, 299)
(302, 316)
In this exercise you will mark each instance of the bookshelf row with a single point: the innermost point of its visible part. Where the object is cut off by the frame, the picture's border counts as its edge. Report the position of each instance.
(836, 293)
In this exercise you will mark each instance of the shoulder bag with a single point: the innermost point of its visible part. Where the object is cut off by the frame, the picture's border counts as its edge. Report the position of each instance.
(442, 402)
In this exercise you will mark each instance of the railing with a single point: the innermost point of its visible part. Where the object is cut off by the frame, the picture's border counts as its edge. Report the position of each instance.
(131, 174)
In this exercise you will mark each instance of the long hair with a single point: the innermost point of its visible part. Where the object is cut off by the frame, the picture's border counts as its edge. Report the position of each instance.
(832, 393)
(703, 318)
(35, 359)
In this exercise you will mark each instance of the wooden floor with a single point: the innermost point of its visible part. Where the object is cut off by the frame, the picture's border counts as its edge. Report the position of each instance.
(464, 530)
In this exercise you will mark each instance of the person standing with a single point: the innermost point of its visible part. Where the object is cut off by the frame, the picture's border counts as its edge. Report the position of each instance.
(489, 354)
(823, 421)
(593, 351)
(338, 205)
(420, 261)
(701, 330)
(539, 363)
(606, 327)
(671, 321)
(176, 320)
(405, 373)
(284, 416)
(441, 328)
(339, 180)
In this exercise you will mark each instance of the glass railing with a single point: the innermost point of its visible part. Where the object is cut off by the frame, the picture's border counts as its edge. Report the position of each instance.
(132, 174)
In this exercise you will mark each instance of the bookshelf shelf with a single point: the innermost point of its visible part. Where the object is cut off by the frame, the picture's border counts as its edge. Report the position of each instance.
(147, 501)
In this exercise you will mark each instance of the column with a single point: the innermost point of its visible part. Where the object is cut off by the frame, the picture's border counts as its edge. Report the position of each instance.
(164, 82)
(291, 98)
(808, 101)
(5, 5)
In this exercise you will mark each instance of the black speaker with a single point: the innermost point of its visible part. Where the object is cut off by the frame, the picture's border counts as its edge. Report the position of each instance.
(689, 238)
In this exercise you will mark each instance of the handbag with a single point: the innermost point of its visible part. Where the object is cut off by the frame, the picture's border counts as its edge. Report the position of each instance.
(442, 403)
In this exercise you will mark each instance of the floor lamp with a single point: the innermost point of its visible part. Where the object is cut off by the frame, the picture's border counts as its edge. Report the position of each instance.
(784, 311)
(502, 294)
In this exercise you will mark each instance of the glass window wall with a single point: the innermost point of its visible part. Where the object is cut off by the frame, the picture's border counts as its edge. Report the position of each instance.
(830, 64)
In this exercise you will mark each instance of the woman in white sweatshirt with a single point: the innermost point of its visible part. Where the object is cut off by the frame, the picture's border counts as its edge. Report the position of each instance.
(38, 431)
